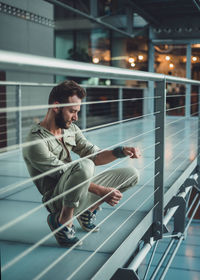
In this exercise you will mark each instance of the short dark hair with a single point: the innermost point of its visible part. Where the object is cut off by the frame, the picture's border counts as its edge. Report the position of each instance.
(64, 90)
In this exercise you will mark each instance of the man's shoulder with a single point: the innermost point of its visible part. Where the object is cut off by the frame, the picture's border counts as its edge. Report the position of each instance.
(73, 129)
(33, 136)
(34, 131)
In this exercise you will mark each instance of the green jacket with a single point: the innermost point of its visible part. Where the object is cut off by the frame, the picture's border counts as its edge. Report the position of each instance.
(45, 153)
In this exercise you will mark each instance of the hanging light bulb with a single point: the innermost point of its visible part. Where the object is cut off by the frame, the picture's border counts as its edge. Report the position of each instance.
(140, 57)
(132, 64)
(194, 58)
(131, 60)
(171, 65)
(95, 60)
(167, 57)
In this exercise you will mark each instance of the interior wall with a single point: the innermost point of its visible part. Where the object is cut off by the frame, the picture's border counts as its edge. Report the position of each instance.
(21, 34)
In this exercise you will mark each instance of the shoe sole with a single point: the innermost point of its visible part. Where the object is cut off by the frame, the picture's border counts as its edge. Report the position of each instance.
(85, 228)
(78, 243)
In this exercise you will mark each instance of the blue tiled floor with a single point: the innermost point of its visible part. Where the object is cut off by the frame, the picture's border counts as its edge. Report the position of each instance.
(32, 229)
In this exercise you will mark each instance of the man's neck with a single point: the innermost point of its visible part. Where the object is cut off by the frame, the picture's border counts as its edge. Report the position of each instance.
(51, 126)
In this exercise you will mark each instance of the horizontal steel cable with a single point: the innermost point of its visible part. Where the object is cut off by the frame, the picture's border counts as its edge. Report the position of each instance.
(41, 107)
(177, 157)
(13, 222)
(194, 132)
(180, 95)
(14, 186)
(33, 247)
(6, 125)
(4, 132)
(131, 215)
(175, 108)
(30, 143)
(89, 233)
(183, 150)
(8, 139)
(181, 119)
(174, 134)
(171, 109)
(177, 167)
(117, 122)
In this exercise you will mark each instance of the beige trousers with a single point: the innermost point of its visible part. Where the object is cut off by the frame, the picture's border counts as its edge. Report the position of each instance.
(81, 174)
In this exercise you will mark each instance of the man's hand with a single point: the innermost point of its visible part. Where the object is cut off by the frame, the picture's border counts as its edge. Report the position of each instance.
(132, 152)
(114, 197)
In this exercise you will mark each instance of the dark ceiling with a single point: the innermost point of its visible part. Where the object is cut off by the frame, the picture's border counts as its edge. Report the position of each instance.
(166, 18)
(163, 11)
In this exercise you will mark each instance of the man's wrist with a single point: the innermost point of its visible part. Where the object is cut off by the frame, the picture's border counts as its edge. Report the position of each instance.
(96, 189)
(118, 152)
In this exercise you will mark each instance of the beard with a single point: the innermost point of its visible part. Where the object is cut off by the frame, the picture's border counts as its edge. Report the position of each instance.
(59, 120)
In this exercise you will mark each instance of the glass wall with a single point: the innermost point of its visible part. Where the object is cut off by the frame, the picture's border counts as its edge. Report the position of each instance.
(195, 74)
(171, 60)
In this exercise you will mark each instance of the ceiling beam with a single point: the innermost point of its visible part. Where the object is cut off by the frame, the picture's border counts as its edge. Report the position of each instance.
(197, 4)
(97, 20)
(144, 14)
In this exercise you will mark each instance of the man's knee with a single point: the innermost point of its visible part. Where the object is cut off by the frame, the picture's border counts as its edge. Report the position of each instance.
(132, 176)
(87, 168)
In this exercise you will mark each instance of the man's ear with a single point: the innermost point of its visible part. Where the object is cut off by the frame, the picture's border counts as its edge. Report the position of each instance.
(56, 108)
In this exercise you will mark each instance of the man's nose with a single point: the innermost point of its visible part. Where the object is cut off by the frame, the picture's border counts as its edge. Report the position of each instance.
(75, 117)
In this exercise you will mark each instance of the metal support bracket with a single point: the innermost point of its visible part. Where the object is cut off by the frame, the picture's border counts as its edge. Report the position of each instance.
(191, 182)
(125, 273)
(179, 216)
(165, 229)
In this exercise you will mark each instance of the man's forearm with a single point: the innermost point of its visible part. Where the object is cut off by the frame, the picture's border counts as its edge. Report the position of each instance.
(96, 189)
(104, 158)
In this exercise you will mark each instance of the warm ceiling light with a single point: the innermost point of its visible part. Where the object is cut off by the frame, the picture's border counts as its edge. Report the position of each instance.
(133, 64)
(140, 57)
(131, 60)
(95, 60)
(171, 65)
(184, 59)
(167, 57)
(194, 58)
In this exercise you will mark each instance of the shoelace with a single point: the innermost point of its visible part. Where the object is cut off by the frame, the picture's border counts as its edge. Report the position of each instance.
(70, 231)
(92, 217)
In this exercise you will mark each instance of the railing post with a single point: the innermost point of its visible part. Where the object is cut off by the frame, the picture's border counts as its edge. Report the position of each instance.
(160, 106)
(198, 140)
(19, 115)
(120, 104)
(146, 101)
(151, 55)
(84, 115)
(188, 86)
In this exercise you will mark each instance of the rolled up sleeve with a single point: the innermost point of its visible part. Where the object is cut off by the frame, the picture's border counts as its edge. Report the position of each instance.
(83, 146)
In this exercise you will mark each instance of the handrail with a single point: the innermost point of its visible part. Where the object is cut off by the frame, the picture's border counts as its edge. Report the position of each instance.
(47, 65)
(34, 84)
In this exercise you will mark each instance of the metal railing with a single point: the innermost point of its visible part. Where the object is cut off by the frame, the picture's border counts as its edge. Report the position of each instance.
(35, 64)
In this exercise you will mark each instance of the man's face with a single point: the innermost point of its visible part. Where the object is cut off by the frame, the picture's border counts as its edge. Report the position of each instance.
(66, 115)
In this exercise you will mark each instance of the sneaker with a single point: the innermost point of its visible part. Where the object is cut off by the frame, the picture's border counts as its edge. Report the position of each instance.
(65, 236)
(86, 221)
